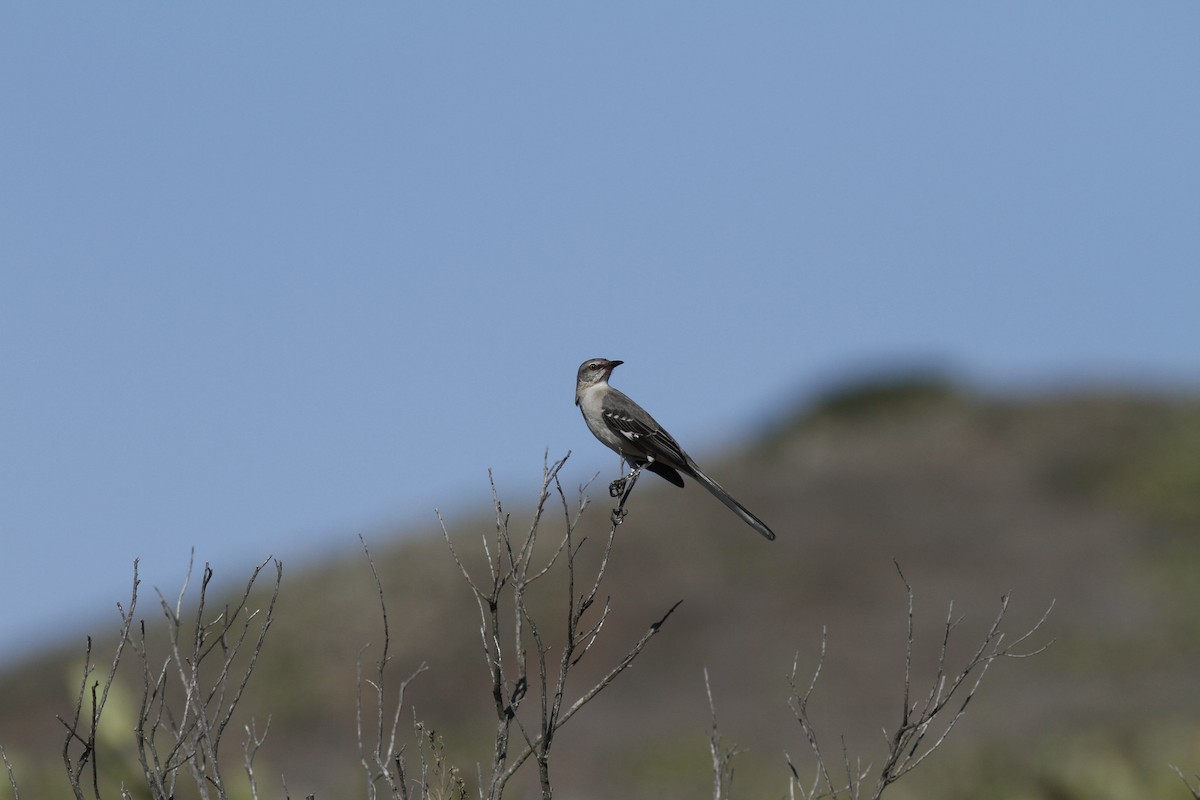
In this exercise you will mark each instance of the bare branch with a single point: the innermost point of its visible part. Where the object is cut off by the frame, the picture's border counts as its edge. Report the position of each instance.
(798, 701)
(385, 761)
(722, 760)
(250, 750)
(598, 687)
(908, 748)
(1194, 790)
(517, 654)
(75, 765)
(12, 778)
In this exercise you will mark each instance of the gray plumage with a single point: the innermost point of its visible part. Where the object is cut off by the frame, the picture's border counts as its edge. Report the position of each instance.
(632, 433)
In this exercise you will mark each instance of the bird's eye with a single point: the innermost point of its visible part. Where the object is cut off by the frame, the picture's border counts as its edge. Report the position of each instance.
(593, 366)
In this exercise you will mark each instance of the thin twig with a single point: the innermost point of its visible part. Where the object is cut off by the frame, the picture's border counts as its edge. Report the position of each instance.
(386, 760)
(12, 778)
(1194, 790)
(722, 760)
(98, 700)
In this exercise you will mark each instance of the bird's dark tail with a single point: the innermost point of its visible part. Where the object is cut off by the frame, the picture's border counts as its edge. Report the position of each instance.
(719, 492)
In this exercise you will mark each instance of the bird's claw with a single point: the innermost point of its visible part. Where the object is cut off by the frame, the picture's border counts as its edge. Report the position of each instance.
(617, 487)
(618, 516)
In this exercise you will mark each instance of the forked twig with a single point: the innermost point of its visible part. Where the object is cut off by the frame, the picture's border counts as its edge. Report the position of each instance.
(722, 758)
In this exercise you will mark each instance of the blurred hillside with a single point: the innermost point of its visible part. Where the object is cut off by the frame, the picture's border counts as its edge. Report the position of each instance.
(1089, 500)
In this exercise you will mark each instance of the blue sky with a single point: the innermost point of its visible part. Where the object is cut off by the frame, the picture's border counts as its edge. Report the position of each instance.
(274, 274)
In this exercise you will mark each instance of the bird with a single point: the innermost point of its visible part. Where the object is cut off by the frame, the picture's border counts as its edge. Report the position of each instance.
(625, 427)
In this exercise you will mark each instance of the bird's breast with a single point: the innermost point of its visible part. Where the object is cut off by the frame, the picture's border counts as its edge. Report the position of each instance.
(591, 405)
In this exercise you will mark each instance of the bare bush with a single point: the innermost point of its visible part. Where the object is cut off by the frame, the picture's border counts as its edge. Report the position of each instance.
(188, 696)
(926, 721)
(208, 662)
(517, 654)
(512, 637)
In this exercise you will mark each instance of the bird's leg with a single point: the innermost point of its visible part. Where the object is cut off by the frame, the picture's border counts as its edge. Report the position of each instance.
(622, 488)
(617, 487)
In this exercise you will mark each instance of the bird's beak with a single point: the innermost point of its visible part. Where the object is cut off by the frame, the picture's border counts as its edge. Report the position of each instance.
(614, 364)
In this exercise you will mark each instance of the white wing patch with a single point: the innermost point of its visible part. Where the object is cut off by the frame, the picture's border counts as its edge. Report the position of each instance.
(633, 436)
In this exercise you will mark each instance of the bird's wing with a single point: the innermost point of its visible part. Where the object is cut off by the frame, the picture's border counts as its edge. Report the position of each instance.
(645, 437)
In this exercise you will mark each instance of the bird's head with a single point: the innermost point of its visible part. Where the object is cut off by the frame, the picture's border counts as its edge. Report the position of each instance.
(592, 372)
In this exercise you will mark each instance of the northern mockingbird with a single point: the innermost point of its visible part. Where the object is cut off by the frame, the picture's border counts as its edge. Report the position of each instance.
(625, 427)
